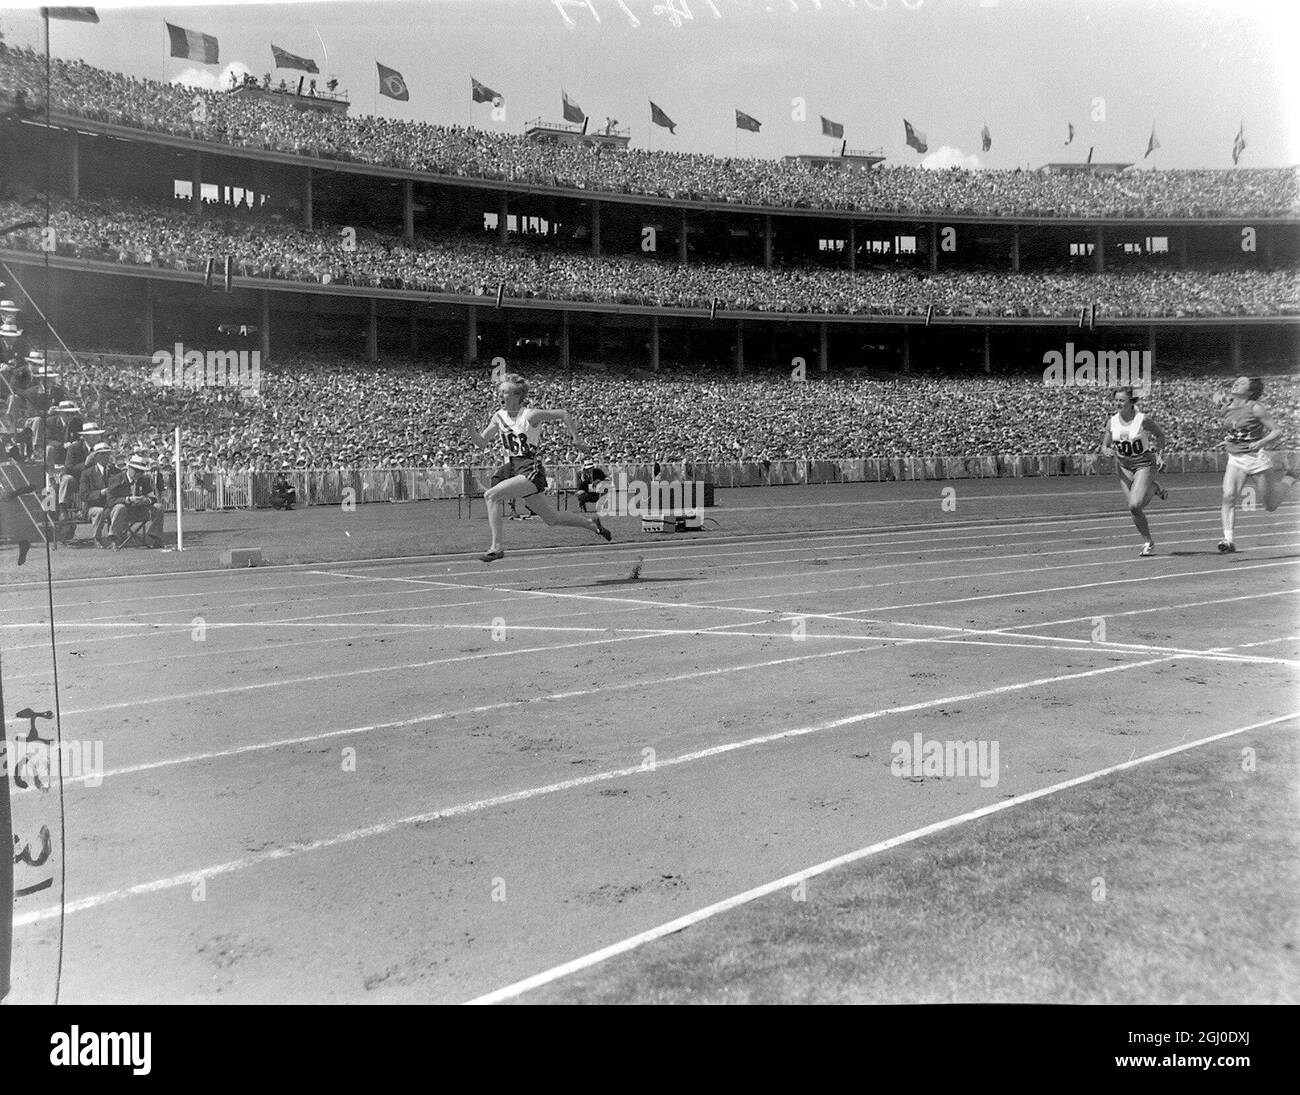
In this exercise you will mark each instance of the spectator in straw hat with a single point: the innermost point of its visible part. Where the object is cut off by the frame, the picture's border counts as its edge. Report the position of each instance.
(136, 498)
(588, 478)
(95, 489)
(74, 462)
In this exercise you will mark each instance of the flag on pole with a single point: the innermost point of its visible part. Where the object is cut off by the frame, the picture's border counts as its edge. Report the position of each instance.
(914, 136)
(392, 84)
(1152, 144)
(1239, 144)
(744, 121)
(986, 138)
(192, 45)
(481, 93)
(660, 118)
(831, 129)
(73, 15)
(1070, 138)
(285, 59)
(572, 111)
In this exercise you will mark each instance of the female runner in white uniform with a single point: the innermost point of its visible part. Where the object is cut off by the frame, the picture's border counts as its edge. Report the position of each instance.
(1250, 429)
(523, 476)
(1134, 439)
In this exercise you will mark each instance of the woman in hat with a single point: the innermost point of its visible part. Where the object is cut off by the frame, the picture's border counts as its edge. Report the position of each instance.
(519, 430)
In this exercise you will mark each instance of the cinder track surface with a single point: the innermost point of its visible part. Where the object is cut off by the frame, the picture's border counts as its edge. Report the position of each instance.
(550, 757)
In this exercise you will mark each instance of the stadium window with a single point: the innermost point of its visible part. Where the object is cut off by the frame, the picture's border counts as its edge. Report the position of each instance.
(1158, 245)
(830, 245)
(182, 188)
(1081, 248)
(489, 222)
(905, 245)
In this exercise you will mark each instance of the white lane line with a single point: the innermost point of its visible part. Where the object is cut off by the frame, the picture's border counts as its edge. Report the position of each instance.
(682, 922)
(385, 827)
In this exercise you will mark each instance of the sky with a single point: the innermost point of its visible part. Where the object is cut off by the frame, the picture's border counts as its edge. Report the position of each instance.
(1191, 69)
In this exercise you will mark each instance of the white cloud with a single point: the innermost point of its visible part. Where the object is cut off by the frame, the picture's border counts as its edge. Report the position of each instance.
(947, 156)
(206, 78)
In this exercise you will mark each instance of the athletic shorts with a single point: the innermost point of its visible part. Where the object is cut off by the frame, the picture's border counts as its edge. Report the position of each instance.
(522, 466)
(1252, 463)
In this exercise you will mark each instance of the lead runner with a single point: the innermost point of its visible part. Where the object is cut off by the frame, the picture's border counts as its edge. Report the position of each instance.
(1135, 441)
(522, 476)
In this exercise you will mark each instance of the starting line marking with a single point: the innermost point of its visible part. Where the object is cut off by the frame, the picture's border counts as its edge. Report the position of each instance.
(690, 919)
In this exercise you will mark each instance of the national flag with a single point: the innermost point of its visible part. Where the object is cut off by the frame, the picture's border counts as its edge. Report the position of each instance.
(744, 121)
(831, 129)
(73, 15)
(1152, 144)
(660, 118)
(192, 45)
(392, 84)
(572, 111)
(481, 93)
(1070, 138)
(914, 136)
(1239, 144)
(986, 138)
(285, 59)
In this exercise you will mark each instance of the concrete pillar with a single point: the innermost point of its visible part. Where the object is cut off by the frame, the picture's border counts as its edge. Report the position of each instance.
(307, 213)
(150, 344)
(564, 340)
(1151, 343)
(823, 350)
(1267, 234)
(934, 247)
(196, 181)
(595, 229)
(1015, 249)
(408, 211)
(413, 331)
(654, 344)
(74, 166)
(372, 329)
(988, 367)
(503, 218)
(471, 333)
(740, 347)
(1099, 251)
(1183, 261)
(681, 241)
(907, 349)
(853, 248)
(767, 239)
(265, 331)
(1235, 344)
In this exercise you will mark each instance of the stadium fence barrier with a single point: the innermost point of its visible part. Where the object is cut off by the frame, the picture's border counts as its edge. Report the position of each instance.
(217, 490)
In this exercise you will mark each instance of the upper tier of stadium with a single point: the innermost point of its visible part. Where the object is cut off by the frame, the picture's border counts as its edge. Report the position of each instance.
(139, 234)
(218, 118)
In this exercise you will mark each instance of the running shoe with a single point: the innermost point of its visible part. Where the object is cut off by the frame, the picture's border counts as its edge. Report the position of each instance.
(1226, 547)
(1161, 493)
(492, 556)
(600, 528)
(1148, 549)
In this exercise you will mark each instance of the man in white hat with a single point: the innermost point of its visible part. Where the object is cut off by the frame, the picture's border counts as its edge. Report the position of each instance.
(74, 463)
(283, 494)
(95, 489)
(134, 498)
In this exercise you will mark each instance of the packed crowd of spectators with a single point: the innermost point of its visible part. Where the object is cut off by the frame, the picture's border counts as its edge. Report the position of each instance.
(139, 234)
(341, 414)
(256, 123)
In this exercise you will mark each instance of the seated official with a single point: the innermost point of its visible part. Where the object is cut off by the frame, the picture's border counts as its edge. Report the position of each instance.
(135, 497)
(94, 490)
(589, 489)
(283, 495)
(75, 457)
